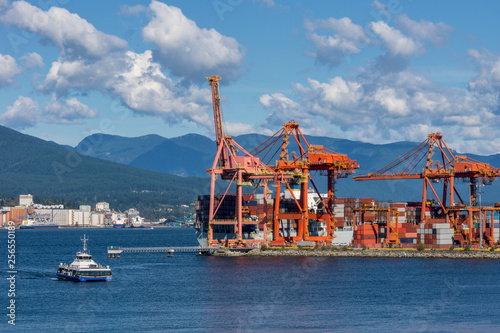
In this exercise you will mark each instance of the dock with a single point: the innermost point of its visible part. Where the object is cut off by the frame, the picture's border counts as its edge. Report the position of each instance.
(116, 251)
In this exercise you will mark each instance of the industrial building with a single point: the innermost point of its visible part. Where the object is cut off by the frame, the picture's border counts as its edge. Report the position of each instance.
(57, 214)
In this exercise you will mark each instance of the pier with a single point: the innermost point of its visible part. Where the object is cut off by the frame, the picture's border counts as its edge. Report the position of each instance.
(116, 251)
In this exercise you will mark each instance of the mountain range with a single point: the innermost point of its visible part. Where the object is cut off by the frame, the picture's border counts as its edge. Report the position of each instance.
(192, 154)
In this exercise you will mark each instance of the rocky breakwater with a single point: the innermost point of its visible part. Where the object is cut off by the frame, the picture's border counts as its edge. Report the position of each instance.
(379, 253)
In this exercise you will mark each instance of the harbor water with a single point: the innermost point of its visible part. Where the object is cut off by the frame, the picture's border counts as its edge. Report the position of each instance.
(151, 292)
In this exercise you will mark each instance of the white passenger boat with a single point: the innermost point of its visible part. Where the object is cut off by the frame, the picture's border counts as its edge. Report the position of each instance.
(83, 268)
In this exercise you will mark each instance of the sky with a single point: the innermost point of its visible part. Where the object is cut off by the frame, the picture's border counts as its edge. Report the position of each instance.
(374, 71)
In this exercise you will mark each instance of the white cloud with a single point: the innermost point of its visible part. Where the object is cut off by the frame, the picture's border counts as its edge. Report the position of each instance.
(132, 10)
(473, 132)
(32, 60)
(428, 102)
(436, 33)
(379, 6)
(395, 41)
(22, 114)
(238, 128)
(334, 39)
(73, 35)
(419, 132)
(268, 3)
(8, 69)
(188, 51)
(284, 109)
(137, 81)
(277, 101)
(393, 101)
(145, 89)
(345, 40)
(336, 99)
(386, 107)
(25, 113)
(488, 67)
(68, 111)
(339, 93)
(91, 60)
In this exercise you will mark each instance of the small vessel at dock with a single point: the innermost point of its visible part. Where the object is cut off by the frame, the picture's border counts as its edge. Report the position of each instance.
(35, 222)
(120, 221)
(138, 222)
(83, 268)
(135, 220)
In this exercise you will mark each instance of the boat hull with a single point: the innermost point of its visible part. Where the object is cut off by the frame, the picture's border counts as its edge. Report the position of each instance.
(80, 278)
(39, 227)
(118, 226)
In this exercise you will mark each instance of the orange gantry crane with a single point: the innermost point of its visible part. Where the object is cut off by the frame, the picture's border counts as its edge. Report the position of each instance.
(310, 222)
(418, 164)
(232, 162)
(244, 169)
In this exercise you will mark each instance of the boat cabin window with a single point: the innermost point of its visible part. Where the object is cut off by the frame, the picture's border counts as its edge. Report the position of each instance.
(84, 256)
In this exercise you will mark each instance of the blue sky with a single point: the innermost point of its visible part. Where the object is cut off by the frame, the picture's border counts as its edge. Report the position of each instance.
(375, 71)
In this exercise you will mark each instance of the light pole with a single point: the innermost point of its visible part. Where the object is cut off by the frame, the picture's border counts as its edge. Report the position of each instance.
(480, 217)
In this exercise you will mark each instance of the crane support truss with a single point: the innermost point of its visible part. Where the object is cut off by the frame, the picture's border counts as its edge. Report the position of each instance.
(233, 162)
(392, 232)
(307, 159)
(418, 163)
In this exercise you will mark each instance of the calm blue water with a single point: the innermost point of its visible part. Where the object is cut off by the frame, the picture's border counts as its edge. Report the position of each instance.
(190, 293)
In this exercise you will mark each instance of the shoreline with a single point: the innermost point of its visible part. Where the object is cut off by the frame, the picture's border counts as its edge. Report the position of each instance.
(376, 253)
(98, 227)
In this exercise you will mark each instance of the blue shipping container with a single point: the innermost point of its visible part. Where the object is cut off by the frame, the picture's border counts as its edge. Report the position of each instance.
(407, 240)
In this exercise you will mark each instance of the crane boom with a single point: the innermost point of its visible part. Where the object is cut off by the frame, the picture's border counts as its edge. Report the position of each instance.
(219, 133)
(214, 83)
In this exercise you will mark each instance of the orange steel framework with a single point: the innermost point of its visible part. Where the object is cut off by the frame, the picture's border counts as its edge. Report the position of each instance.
(447, 168)
(244, 169)
(392, 227)
(309, 158)
(249, 170)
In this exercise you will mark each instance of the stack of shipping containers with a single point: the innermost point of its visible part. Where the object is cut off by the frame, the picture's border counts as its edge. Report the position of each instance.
(372, 226)
(435, 235)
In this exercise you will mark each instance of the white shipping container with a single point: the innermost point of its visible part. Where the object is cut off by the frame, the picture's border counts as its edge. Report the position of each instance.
(440, 226)
(444, 230)
(444, 237)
